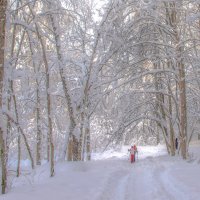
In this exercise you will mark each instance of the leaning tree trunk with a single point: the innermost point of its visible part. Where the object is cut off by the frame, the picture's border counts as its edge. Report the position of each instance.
(160, 113)
(18, 130)
(72, 140)
(38, 114)
(3, 5)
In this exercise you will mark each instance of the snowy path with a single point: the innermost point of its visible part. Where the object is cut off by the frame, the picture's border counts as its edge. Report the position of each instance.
(154, 179)
(148, 179)
(151, 178)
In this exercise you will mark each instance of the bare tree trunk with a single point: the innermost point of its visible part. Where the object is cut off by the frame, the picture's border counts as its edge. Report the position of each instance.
(18, 131)
(172, 137)
(81, 141)
(183, 111)
(50, 128)
(39, 133)
(49, 116)
(12, 95)
(72, 138)
(17, 121)
(75, 148)
(87, 130)
(10, 82)
(19, 154)
(70, 149)
(24, 137)
(171, 13)
(3, 6)
(160, 111)
(181, 85)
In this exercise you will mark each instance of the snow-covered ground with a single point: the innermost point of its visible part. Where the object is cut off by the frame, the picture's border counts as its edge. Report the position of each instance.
(110, 176)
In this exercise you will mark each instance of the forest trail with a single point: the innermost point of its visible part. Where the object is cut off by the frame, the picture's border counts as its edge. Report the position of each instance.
(147, 179)
(155, 176)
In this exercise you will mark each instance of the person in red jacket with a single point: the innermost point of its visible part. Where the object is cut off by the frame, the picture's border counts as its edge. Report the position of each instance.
(132, 154)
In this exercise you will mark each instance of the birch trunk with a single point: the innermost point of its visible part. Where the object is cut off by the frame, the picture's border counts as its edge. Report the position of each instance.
(18, 131)
(39, 132)
(38, 114)
(48, 99)
(49, 114)
(160, 111)
(9, 120)
(72, 140)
